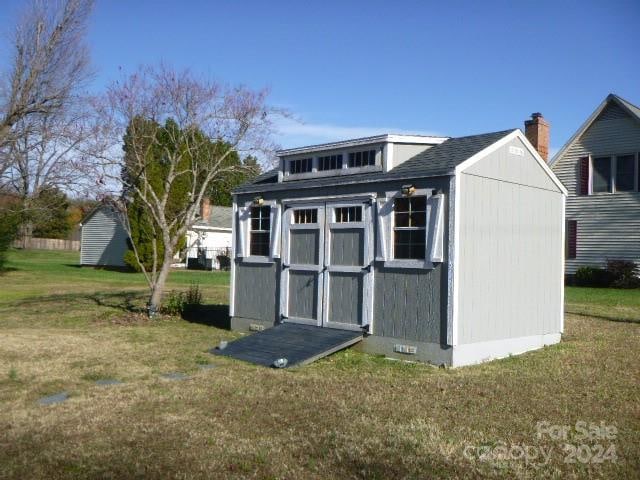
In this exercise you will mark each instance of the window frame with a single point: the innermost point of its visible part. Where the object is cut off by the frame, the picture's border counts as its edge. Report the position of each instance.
(613, 159)
(316, 172)
(251, 231)
(391, 262)
(274, 223)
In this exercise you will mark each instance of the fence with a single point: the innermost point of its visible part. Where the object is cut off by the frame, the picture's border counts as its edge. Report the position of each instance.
(32, 243)
(209, 258)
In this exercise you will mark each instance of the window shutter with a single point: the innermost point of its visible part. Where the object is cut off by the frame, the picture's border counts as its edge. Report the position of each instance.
(572, 238)
(244, 219)
(584, 176)
(435, 229)
(275, 232)
(383, 240)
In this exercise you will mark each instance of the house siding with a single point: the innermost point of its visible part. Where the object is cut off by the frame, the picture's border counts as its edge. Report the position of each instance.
(608, 224)
(104, 240)
(510, 251)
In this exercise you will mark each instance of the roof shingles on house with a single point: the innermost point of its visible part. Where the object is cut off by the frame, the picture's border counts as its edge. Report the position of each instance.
(436, 161)
(219, 217)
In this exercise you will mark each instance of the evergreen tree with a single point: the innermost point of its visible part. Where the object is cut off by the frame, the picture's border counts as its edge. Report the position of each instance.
(50, 214)
(220, 189)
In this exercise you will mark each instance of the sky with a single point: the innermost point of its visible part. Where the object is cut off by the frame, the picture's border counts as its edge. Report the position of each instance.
(348, 69)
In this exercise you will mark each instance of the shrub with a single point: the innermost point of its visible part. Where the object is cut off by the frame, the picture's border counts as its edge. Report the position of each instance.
(9, 223)
(622, 273)
(174, 303)
(193, 296)
(178, 303)
(592, 277)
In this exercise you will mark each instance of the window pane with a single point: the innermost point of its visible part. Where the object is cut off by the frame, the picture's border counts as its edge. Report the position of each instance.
(418, 203)
(601, 175)
(625, 169)
(418, 219)
(259, 244)
(401, 204)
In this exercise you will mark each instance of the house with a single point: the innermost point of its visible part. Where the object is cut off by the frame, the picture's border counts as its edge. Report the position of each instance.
(600, 167)
(443, 250)
(209, 239)
(104, 240)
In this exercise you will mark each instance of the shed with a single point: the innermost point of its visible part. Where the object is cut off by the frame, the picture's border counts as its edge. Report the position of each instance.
(103, 239)
(443, 250)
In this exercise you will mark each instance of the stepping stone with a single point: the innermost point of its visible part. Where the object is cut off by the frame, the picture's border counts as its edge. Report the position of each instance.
(174, 376)
(206, 366)
(108, 381)
(53, 399)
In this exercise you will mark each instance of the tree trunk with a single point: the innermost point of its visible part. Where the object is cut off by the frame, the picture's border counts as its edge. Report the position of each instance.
(155, 302)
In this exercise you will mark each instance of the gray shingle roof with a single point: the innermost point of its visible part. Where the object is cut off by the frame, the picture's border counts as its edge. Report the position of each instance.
(220, 217)
(437, 161)
(632, 108)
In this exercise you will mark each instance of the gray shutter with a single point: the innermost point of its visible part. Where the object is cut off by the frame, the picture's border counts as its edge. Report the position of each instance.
(435, 229)
(384, 235)
(244, 219)
(275, 231)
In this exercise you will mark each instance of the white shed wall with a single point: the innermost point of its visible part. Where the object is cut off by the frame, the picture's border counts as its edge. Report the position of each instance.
(511, 249)
(103, 241)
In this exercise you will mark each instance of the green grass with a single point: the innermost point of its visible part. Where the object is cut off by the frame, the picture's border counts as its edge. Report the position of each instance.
(609, 303)
(350, 415)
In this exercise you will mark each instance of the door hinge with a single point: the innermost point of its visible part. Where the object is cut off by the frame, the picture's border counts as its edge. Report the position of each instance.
(367, 268)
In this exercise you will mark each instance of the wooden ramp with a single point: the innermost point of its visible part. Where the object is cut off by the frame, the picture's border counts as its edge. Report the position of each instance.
(298, 344)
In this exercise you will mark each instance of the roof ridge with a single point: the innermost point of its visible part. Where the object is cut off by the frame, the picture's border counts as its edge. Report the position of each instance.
(507, 131)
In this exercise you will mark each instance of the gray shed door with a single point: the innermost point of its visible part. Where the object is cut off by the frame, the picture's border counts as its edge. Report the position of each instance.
(327, 276)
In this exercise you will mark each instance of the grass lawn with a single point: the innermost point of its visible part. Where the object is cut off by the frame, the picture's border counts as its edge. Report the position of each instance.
(351, 415)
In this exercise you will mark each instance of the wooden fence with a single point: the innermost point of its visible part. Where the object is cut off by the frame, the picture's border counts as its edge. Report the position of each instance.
(47, 244)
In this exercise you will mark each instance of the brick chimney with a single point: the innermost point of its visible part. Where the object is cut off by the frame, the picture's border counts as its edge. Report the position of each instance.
(537, 132)
(205, 209)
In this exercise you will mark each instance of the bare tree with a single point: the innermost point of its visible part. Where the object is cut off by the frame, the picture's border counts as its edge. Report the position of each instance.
(49, 66)
(173, 119)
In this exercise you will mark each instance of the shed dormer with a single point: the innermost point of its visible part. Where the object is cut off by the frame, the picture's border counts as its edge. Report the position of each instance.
(380, 153)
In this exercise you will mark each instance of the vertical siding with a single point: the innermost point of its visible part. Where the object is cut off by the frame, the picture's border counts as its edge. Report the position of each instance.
(304, 247)
(345, 297)
(407, 304)
(608, 224)
(347, 246)
(303, 294)
(510, 255)
(104, 240)
(256, 292)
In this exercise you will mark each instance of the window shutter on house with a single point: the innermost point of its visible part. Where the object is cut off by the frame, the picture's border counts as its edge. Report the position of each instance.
(384, 207)
(572, 238)
(584, 176)
(275, 231)
(435, 229)
(244, 219)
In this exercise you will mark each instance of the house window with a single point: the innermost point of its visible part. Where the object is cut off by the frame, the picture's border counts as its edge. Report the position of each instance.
(260, 231)
(348, 214)
(301, 165)
(601, 176)
(362, 159)
(625, 173)
(307, 215)
(330, 162)
(409, 229)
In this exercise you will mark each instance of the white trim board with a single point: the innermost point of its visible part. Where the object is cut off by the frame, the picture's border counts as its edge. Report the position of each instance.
(386, 138)
(473, 353)
(460, 168)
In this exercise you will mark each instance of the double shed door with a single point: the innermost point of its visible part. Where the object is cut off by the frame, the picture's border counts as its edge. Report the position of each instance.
(327, 275)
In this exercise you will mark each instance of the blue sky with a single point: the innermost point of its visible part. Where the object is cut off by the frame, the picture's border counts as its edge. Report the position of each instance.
(351, 69)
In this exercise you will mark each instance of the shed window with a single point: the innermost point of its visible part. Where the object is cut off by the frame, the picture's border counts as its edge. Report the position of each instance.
(330, 162)
(306, 215)
(348, 214)
(625, 173)
(300, 165)
(362, 159)
(409, 229)
(601, 176)
(260, 231)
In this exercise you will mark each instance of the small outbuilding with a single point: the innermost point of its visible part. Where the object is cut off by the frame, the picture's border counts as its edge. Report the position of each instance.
(443, 250)
(104, 240)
